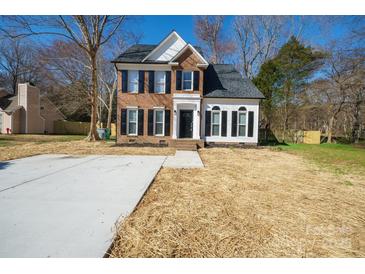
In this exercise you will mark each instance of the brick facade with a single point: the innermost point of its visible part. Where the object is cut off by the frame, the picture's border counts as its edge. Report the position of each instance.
(187, 61)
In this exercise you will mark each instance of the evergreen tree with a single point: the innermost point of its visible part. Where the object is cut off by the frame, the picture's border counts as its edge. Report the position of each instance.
(284, 76)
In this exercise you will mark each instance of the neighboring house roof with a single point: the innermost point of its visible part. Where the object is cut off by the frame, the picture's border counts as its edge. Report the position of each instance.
(224, 81)
(9, 104)
(5, 101)
(136, 54)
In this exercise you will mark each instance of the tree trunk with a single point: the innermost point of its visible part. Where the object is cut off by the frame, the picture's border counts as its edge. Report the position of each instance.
(356, 130)
(329, 130)
(110, 110)
(93, 135)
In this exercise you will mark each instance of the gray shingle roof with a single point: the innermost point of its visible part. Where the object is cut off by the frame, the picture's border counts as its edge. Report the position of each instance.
(224, 81)
(136, 53)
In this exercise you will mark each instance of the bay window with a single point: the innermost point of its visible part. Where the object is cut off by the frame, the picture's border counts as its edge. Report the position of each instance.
(216, 113)
(242, 114)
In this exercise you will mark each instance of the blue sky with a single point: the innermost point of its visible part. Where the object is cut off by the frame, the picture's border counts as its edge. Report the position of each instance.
(155, 28)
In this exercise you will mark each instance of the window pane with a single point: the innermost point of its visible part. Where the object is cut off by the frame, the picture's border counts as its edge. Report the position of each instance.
(187, 75)
(187, 85)
(132, 128)
(133, 115)
(159, 82)
(215, 119)
(158, 128)
(133, 80)
(159, 116)
(215, 130)
(242, 131)
(242, 119)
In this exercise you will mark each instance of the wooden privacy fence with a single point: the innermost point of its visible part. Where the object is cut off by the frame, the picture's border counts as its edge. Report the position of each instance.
(312, 137)
(292, 136)
(76, 128)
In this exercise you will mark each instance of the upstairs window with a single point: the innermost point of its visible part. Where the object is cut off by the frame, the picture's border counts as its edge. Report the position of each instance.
(160, 82)
(132, 121)
(133, 81)
(187, 80)
(242, 117)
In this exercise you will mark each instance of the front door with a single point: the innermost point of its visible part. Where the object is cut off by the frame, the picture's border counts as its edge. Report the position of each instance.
(186, 124)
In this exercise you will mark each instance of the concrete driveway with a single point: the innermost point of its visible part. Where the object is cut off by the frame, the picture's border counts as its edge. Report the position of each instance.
(67, 206)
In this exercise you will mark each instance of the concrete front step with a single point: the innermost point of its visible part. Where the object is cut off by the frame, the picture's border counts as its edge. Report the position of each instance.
(186, 147)
(188, 144)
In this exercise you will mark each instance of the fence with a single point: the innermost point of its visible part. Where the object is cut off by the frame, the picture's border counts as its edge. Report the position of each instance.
(76, 128)
(292, 136)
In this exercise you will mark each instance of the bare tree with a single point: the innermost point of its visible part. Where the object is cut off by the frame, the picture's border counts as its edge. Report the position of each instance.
(257, 38)
(17, 63)
(209, 31)
(89, 33)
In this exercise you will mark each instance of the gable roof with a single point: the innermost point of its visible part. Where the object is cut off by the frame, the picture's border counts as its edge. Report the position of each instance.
(177, 44)
(224, 81)
(189, 46)
(136, 53)
(163, 53)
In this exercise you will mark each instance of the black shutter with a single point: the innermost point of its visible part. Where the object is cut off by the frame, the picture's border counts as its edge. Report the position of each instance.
(234, 123)
(141, 81)
(250, 123)
(150, 122)
(224, 123)
(140, 121)
(207, 123)
(167, 122)
(196, 80)
(168, 82)
(123, 122)
(124, 81)
(178, 79)
(151, 81)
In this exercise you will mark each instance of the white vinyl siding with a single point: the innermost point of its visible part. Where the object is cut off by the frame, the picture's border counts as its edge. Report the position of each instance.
(233, 107)
(160, 81)
(187, 80)
(215, 123)
(159, 119)
(242, 122)
(132, 124)
(133, 81)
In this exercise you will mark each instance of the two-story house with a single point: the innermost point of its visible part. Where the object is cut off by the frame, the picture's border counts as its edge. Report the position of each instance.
(168, 94)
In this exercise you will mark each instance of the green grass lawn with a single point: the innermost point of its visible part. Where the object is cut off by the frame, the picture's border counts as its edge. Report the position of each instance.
(340, 158)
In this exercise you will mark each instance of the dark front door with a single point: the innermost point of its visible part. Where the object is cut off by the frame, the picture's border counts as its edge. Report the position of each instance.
(186, 124)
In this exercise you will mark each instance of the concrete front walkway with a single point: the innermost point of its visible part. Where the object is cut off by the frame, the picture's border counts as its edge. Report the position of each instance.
(67, 206)
(184, 159)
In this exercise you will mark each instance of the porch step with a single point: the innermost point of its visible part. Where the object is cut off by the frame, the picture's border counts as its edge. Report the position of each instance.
(191, 147)
(188, 144)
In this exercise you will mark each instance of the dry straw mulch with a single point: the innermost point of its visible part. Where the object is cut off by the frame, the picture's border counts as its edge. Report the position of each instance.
(247, 203)
(25, 149)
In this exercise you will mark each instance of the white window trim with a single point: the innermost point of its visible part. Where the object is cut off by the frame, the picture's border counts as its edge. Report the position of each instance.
(163, 121)
(129, 81)
(219, 125)
(238, 122)
(128, 110)
(192, 80)
(164, 85)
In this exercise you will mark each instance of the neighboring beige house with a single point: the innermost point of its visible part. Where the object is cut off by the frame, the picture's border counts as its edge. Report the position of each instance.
(27, 111)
